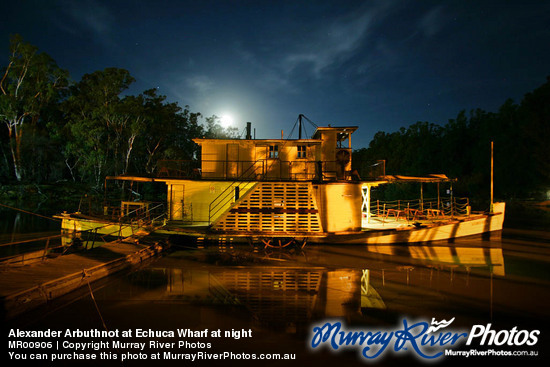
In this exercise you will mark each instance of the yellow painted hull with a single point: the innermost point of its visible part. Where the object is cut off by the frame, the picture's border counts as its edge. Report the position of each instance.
(475, 225)
(76, 223)
(478, 225)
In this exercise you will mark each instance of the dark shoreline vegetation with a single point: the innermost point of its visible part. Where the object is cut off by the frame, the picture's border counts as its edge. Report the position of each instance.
(60, 138)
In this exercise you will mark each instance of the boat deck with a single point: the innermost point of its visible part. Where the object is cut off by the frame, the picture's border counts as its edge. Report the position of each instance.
(404, 222)
(376, 223)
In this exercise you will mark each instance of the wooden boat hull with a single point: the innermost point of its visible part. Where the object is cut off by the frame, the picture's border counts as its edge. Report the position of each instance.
(486, 224)
(476, 225)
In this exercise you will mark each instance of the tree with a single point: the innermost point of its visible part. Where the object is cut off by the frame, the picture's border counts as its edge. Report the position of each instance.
(161, 120)
(30, 82)
(97, 124)
(534, 120)
(214, 130)
(461, 148)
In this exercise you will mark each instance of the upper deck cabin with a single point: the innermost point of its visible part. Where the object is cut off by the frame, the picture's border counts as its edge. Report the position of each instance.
(274, 185)
(325, 156)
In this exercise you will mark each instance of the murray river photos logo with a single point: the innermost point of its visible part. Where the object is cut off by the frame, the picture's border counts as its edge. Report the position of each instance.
(428, 341)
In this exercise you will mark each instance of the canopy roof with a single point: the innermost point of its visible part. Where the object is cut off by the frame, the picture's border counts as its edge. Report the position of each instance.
(430, 178)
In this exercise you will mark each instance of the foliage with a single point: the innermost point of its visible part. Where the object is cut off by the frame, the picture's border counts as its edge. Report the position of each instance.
(462, 149)
(90, 129)
(30, 85)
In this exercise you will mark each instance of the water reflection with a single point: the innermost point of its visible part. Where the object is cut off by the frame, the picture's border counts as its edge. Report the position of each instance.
(281, 294)
(286, 291)
(489, 258)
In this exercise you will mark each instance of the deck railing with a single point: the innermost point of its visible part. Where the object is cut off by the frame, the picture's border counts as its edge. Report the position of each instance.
(259, 170)
(422, 208)
(146, 212)
(232, 192)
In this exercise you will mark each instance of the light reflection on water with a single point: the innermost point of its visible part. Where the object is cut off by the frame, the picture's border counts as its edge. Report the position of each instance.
(280, 294)
(286, 291)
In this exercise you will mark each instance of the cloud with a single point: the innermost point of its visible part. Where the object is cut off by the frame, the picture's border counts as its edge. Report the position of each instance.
(314, 48)
(267, 75)
(432, 21)
(330, 47)
(197, 90)
(200, 84)
(88, 16)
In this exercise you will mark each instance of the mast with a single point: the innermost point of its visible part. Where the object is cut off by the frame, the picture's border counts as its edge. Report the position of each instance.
(300, 126)
(492, 166)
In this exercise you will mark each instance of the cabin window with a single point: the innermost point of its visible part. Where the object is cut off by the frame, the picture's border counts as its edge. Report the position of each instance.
(274, 151)
(301, 151)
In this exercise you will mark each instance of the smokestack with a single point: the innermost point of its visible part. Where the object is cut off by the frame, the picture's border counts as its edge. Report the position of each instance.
(248, 130)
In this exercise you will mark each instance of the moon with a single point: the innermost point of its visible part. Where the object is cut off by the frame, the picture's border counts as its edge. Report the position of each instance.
(226, 120)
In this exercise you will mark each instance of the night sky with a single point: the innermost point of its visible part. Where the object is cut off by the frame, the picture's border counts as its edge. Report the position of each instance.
(379, 65)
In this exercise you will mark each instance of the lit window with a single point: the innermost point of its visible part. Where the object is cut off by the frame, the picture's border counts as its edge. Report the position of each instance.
(301, 151)
(273, 151)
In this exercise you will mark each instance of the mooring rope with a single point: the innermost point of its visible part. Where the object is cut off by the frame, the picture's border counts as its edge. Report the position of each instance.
(27, 212)
(85, 275)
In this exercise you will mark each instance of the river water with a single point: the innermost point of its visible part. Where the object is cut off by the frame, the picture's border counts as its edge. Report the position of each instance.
(264, 301)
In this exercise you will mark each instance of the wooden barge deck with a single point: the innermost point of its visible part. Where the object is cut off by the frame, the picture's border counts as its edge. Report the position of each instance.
(25, 287)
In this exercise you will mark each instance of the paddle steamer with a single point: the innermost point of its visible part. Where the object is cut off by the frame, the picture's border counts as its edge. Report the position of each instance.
(279, 192)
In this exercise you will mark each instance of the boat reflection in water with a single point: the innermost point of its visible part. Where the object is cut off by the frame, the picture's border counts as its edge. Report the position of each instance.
(286, 291)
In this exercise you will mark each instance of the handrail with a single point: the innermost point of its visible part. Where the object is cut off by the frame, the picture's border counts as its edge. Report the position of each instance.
(123, 216)
(181, 210)
(271, 169)
(447, 206)
(47, 247)
(134, 221)
(226, 198)
(140, 221)
(239, 178)
(217, 204)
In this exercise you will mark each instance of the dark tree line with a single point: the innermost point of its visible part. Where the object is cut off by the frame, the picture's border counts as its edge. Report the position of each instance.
(55, 128)
(462, 149)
